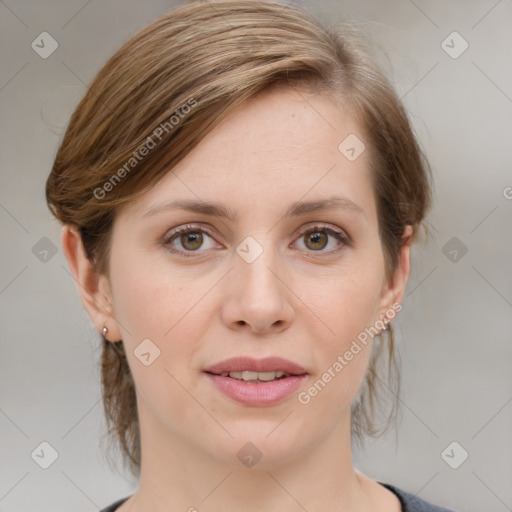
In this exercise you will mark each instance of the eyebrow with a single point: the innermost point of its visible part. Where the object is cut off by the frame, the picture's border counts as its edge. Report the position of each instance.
(219, 210)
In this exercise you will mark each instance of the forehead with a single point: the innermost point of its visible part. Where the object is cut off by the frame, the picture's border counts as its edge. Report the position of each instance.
(282, 124)
(280, 146)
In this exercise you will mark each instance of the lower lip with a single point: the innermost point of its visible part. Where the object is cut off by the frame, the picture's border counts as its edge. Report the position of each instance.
(257, 393)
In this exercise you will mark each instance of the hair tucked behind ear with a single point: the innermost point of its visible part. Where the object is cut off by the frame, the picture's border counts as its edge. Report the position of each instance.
(187, 71)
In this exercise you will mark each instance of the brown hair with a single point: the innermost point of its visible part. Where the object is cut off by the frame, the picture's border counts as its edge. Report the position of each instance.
(171, 84)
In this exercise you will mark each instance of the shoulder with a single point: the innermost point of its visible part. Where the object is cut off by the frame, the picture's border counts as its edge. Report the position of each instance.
(114, 506)
(411, 503)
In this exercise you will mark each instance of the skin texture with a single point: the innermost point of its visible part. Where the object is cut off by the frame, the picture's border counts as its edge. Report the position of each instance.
(303, 299)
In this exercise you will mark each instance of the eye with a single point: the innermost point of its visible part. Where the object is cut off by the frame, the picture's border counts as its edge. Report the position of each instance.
(317, 239)
(188, 238)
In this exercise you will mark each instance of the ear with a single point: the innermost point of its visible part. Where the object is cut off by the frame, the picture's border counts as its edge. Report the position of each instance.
(394, 287)
(94, 289)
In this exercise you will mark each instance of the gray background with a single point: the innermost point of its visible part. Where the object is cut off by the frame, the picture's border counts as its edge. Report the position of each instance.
(454, 331)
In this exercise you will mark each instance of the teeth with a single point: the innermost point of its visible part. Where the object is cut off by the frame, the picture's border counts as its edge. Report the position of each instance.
(251, 376)
(266, 375)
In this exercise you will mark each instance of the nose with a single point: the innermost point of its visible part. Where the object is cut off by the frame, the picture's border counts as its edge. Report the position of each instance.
(257, 297)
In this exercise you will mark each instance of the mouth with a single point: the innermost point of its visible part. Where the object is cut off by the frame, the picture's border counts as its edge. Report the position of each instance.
(249, 376)
(250, 369)
(256, 382)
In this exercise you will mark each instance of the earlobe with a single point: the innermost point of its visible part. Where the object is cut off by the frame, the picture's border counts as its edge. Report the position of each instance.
(93, 288)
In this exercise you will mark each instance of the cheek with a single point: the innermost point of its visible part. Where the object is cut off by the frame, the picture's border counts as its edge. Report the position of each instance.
(154, 303)
(149, 299)
(344, 361)
(348, 307)
(350, 301)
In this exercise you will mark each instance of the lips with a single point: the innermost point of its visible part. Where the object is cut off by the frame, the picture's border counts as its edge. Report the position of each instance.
(249, 364)
(256, 382)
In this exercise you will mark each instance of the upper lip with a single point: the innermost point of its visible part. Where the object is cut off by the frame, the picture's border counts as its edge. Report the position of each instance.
(267, 364)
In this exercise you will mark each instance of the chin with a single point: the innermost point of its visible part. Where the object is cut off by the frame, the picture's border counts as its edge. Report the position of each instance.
(260, 444)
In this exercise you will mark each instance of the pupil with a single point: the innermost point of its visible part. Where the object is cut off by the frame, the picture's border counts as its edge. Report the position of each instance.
(315, 238)
(195, 238)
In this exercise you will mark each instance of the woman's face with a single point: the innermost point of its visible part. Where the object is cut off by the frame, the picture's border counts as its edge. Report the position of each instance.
(262, 283)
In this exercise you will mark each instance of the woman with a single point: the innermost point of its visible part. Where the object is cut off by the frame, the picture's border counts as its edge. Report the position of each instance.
(239, 189)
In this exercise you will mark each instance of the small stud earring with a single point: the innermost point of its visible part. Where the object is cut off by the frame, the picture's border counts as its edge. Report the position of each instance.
(105, 330)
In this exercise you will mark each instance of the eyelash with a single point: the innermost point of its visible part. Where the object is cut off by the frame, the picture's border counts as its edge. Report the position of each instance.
(175, 233)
